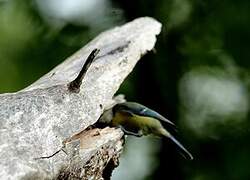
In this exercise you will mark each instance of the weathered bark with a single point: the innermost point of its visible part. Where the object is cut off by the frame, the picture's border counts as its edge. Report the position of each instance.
(35, 121)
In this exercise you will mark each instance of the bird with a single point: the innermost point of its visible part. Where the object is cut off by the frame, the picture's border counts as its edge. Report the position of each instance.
(138, 120)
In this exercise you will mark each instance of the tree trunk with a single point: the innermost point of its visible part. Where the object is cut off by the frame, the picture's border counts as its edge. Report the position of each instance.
(41, 126)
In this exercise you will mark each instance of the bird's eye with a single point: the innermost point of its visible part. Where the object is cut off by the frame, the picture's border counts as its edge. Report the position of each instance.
(143, 110)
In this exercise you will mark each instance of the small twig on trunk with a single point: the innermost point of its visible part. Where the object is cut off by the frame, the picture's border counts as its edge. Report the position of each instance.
(75, 85)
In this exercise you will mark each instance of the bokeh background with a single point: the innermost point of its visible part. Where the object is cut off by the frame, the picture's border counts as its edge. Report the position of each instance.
(198, 76)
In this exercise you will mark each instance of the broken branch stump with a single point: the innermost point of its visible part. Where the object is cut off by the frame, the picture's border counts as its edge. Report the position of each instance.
(36, 120)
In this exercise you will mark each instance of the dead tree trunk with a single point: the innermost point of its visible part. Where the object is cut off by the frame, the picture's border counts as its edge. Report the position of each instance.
(35, 121)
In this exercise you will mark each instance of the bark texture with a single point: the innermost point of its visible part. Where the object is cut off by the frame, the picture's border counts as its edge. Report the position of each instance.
(35, 121)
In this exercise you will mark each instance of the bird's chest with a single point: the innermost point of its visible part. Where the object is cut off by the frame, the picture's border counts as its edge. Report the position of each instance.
(129, 123)
(135, 123)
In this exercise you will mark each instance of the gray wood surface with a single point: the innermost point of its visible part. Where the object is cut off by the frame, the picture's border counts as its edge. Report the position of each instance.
(36, 120)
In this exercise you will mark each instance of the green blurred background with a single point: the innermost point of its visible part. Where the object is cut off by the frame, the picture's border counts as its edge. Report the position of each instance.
(198, 76)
